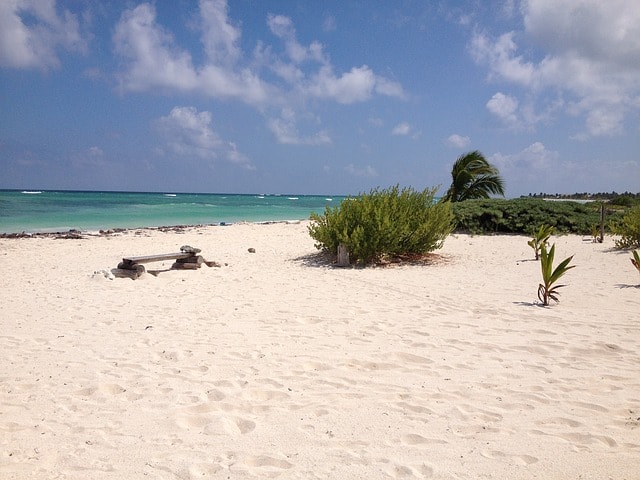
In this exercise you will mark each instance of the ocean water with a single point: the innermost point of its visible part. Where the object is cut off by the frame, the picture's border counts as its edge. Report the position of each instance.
(54, 211)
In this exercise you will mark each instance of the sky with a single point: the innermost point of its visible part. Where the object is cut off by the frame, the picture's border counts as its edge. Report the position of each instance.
(325, 97)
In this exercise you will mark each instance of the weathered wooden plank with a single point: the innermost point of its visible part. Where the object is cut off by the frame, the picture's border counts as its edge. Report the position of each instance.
(343, 255)
(157, 258)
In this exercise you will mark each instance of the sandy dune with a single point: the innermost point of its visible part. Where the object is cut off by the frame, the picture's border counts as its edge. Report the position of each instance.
(277, 365)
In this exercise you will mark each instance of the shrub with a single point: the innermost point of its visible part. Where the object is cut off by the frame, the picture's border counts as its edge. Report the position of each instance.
(388, 222)
(628, 227)
(624, 201)
(517, 215)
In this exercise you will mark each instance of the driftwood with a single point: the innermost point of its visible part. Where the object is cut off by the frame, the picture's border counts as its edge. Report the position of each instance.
(186, 259)
(185, 266)
(199, 259)
(129, 270)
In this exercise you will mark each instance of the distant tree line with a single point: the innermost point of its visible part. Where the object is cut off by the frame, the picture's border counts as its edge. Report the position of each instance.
(584, 196)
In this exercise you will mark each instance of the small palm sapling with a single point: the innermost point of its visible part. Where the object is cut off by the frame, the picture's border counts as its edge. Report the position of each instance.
(547, 290)
(636, 260)
(541, 237)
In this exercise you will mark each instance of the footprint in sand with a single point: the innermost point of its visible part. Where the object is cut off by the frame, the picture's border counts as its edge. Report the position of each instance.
(411, 358)
(559, 421)
(216, 425)
(403, 471)
(415, 439)
(519, 459)
(112, 388)
(237, 425)
(264, 461)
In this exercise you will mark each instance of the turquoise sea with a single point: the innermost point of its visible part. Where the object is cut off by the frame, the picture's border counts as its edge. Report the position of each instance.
(58, 211)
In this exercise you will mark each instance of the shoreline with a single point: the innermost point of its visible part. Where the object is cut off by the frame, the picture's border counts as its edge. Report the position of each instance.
(277, 365)
(74, 233)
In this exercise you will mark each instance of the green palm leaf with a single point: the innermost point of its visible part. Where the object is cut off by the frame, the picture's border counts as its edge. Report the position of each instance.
(636, 260)
(473, 177)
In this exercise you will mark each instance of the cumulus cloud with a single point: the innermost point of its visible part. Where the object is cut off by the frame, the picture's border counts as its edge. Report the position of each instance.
(282, 27)
(401, 129)
(405, 129)
(329, 23)
(220, 37)
(32, 33)
(458, 141)
(286, 132)
(153, 60)
(591, 54)
(528, 170)
(350, 87)
(504, 107)
(361, 171)
(96, 151)
(536, 157)
(92, 157)
(189, 133)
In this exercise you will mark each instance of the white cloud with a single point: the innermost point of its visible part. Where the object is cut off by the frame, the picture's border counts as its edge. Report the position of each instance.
(282, 27)
(220, 37)
(504, 107)
(329, 23)
(153, 60)
(591, 54)
(361, 171)
(92, 157)
(189, 133)
(401, 129)
(31, 33)
(458, 141)
(539, 169)
(96, 152)
(286, 131)
(357, 85)
(502, 61)
(535, 157)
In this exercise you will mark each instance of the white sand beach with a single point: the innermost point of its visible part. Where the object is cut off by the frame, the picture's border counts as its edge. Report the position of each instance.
(277, 365)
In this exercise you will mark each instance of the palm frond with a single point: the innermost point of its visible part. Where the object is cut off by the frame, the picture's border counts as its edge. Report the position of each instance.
(472, 176)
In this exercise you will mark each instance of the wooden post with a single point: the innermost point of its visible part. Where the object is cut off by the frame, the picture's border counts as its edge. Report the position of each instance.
(343, 255)
(601, 223)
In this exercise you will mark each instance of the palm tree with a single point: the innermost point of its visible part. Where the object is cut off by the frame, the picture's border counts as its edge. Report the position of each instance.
(473, 177)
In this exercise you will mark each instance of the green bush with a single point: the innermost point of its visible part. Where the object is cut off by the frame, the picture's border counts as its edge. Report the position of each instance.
(388, 222)
(628, 227)
(520, 214)
(624, 201)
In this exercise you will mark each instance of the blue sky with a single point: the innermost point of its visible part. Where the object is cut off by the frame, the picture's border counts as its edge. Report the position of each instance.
(318, 97)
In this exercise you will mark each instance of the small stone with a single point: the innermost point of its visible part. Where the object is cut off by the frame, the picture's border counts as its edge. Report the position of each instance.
(189, 249)
(252, 250)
